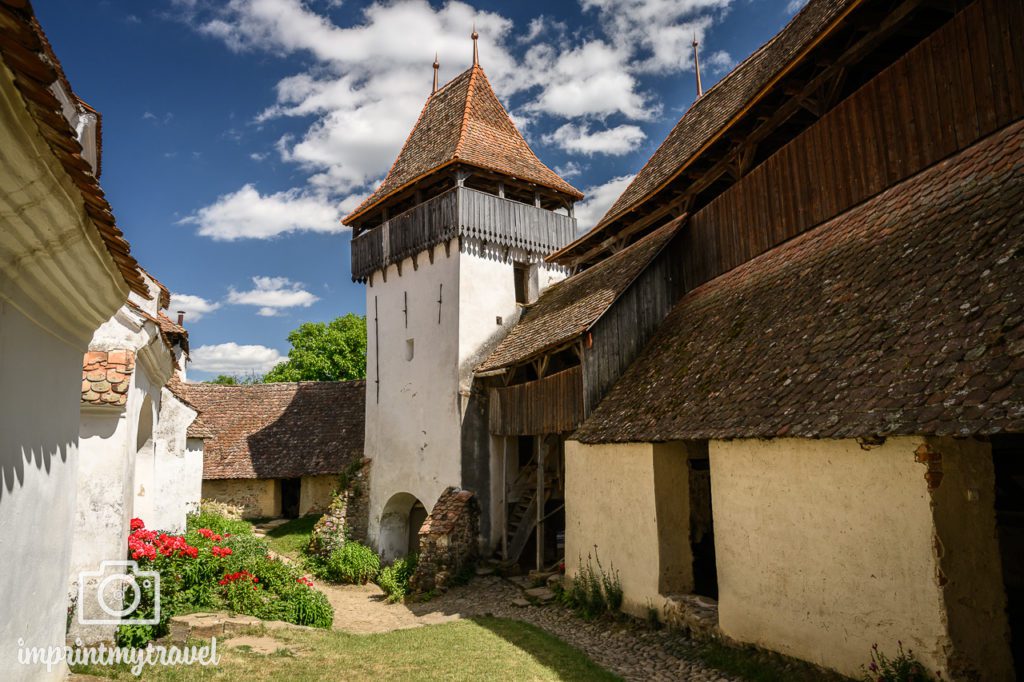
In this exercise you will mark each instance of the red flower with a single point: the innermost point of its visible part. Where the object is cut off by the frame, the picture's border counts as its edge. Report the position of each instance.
(136, 524)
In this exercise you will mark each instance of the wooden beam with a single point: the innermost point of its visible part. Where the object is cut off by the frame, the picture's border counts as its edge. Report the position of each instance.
(540, 502)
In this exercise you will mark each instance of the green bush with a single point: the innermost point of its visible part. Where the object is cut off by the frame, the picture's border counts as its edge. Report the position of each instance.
(593, 592)
(901, 668)
(394, 579)
(352, 563)
(217, 564)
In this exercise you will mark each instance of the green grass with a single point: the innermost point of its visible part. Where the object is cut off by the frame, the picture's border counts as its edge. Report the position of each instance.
(485, 648)
(292, 537)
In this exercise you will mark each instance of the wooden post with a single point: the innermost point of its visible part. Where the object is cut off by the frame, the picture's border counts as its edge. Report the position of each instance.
(536, 199)
(540, 502)
(504, 498)
(501, 190)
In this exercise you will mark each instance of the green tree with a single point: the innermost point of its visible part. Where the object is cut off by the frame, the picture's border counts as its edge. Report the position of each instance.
(335, 351)
(236, 380)
(224, 380)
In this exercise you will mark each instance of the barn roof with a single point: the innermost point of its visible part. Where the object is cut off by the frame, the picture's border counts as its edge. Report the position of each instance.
(30, 58)
(464, 122)
(567, 309)
(708, 118)
(904, 315)
(279, 430)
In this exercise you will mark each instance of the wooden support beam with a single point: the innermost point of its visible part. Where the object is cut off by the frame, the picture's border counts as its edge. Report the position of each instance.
(540, 501)
(504, 498)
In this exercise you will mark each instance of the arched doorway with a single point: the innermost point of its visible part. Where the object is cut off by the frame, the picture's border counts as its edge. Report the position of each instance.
(399, 526)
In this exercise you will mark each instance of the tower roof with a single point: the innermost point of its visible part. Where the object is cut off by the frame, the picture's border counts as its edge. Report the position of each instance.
(463, 122)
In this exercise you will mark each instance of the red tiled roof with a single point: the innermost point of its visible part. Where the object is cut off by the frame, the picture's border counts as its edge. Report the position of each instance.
(26, 52)
(567, 309)
(281, 430)
(106, 377)
(464, 122)
(904, 315)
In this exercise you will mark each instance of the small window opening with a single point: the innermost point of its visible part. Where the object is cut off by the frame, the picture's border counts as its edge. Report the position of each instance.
(409, 348)
(521, 271)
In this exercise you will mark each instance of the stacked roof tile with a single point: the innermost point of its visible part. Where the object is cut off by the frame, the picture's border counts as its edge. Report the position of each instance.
(106, 377)
(26, 52)
(465, 122)
(280, 430)
(904, 315)
(569, 308)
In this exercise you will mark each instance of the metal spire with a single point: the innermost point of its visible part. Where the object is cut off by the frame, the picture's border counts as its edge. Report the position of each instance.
(437, 66)
(696, 66)
(476, 51)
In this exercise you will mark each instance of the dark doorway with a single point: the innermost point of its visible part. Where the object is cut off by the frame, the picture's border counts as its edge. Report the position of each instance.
(1008, 458)
(417, 515)
(291, 490)
(702, 531)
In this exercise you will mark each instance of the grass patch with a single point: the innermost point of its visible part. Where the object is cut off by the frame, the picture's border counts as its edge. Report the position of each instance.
(485, 648)
(293, 537)
(755, 665)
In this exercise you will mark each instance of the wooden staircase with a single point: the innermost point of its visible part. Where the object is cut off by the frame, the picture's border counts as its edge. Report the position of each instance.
(522, 519)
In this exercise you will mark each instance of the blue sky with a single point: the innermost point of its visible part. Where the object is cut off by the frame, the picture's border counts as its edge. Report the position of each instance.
(236, 134)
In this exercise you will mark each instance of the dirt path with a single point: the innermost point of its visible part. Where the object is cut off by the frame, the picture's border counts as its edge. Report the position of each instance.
(362, 609)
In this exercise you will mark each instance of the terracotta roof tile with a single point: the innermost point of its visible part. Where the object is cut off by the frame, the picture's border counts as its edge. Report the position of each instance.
(567, 309)
(464, 121)
(281, 430)
(904, 315)
(27, 53)
(107, 376)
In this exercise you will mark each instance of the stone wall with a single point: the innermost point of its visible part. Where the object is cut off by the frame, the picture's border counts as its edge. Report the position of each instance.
(316, 493)
(258, 497)
(346, 517)
(449, 540)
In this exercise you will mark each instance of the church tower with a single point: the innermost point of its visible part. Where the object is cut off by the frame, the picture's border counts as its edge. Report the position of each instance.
(450, 246)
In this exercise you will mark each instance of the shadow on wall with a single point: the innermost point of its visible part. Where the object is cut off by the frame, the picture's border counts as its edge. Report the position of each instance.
(399, 526)
(319, 428)
(13, 464)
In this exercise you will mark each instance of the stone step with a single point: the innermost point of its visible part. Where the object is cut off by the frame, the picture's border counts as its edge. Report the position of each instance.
(217, 624)
(540, 594)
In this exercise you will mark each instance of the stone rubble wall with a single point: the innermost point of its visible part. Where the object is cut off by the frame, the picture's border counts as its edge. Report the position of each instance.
(347, 516)
(448, 540)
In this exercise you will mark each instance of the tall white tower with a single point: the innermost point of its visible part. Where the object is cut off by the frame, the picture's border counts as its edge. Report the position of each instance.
(450, 246)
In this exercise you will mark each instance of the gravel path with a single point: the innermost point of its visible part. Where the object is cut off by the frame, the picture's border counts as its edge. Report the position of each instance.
(629, 650)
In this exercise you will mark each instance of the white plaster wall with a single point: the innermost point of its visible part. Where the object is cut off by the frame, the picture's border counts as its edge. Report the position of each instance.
(824, 548)
(412, 433)
(169, 477)
(40, 380)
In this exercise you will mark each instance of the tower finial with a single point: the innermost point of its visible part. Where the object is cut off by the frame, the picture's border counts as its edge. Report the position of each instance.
(476, 51)
(696, 67)
(437, 65)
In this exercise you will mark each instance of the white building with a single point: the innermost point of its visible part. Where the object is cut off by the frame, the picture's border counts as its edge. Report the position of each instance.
(451, 246)
(64, 270)
(135, 458)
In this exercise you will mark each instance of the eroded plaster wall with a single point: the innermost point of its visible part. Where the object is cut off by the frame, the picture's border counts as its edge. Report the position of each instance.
(825, 548)
(316, 492)
(169, 476)
(258, 497)
(38, 473)
(630, 501)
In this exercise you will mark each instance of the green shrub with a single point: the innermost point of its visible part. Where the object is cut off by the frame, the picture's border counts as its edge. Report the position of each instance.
(902, 668)
(394, 579)
(593, 592)
(353, 563)
(209, 517)
(217, 564)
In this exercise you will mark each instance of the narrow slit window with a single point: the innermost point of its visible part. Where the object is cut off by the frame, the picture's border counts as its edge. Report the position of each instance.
(521, 272)
(409, 348)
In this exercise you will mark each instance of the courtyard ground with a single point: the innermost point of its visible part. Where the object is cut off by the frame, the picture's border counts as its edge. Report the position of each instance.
(472, 632)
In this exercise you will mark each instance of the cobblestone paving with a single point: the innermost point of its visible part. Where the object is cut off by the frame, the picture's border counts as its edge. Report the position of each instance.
(627, 649)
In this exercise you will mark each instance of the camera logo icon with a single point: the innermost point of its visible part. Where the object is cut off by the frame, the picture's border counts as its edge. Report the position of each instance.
(116, 583)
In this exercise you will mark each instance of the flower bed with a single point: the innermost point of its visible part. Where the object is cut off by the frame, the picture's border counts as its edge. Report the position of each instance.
(217, 564)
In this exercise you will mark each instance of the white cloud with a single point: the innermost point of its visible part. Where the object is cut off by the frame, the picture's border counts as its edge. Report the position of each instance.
(614, 141)
(599, 199)
(569, 170)
(248, 214)
(367, 82)
(195, 307)
(273, 295)
(232, 358)
(795, 6)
